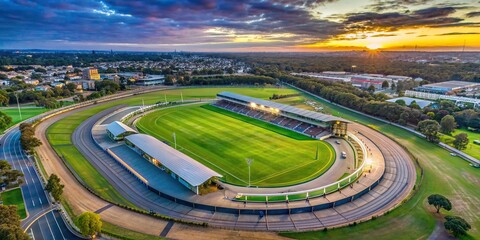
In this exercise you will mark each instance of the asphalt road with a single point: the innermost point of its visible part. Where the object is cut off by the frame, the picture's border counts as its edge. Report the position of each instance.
(49, 226)
(399, 180)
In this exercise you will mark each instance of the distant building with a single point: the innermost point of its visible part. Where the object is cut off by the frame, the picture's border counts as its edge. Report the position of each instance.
(91, 74)
(364, 81)
(42, 88)
(57, 84)
(150, 80)
(88, 85)
(449, 87)
(34, 82)
(4, 82)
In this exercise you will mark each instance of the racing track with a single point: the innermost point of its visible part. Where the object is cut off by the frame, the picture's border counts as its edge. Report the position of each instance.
(398, 182)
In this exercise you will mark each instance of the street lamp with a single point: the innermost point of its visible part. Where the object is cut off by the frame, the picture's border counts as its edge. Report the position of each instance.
(18, 105)
(249, 162)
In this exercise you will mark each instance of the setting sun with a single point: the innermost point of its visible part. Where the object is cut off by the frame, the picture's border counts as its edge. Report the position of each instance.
(374, 46)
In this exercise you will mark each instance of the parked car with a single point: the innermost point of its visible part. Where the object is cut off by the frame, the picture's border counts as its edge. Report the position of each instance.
(337, 141)
(344, 155)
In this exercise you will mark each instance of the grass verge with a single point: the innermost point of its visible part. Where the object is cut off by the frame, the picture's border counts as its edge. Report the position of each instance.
(14, 197)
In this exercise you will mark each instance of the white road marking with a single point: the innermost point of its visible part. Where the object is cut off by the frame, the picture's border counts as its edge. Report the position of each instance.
(31, 234)
(48, 224)
(58, 225)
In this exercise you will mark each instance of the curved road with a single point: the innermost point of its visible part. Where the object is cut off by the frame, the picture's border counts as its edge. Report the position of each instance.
(398, 181)
(49, 226)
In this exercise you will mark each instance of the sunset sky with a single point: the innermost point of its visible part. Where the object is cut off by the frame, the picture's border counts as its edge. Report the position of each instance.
(228, 25)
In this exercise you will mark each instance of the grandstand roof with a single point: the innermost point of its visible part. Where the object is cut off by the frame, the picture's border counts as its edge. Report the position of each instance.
(284, 108)
(185, 167)
(117, 128)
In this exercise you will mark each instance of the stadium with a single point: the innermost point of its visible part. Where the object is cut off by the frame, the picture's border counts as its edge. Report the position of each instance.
(211, 146)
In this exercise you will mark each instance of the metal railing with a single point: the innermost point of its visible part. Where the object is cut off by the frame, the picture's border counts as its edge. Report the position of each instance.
(309, 193)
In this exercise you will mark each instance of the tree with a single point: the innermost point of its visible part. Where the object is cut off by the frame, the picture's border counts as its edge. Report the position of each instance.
(371, 89)
(401, 102)
(439, 201)
(8, 175)
(431, 115)
(89, 223)
(414, 105)
(5, 121)
(54, 187)
(448, 124)
(430, 129)
(461, 141)
(10, 224)
(27, 139)
(457, 225)
(385, 84)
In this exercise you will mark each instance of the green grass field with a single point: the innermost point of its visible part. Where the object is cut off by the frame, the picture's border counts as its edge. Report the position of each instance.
(14, 197)
(222, 140)
(472, 149)
(26, 113)
(444, 174)
(59, 134)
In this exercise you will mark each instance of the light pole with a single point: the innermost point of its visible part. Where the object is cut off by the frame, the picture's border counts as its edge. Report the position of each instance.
(18, 105)
(249, 162)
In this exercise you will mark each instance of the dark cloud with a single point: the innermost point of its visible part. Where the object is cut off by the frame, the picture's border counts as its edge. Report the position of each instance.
(458, 33)
(473, 14)
(384, 35)
(389, 5)
(392, 21)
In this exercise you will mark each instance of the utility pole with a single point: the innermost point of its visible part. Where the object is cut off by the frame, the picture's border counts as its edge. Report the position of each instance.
(181, 95)
(165, 95)
(316, 153)
(249, 162)
(18, 105)
(175, 140)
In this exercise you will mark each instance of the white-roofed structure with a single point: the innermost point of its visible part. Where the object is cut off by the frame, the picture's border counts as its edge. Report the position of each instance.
(117, 130)
(186, 170)
(338, 125)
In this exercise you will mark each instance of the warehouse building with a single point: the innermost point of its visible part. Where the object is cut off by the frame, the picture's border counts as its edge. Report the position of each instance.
(449, 87)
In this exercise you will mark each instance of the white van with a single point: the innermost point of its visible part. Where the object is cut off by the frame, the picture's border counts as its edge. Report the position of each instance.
(344, 155)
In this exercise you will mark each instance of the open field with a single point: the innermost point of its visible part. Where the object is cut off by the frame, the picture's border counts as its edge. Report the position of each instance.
(444, 174)
(26, 113)
(472, 148)
(222, 140)
(14, 197)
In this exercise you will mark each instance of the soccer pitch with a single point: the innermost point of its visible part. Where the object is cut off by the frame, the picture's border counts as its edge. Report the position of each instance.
(222, 141)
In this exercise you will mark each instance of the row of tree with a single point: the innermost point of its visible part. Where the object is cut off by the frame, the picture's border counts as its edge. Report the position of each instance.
(223, 80)
(363, 101)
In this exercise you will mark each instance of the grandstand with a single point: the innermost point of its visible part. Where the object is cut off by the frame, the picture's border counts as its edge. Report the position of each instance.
(313, 124)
